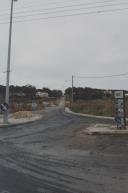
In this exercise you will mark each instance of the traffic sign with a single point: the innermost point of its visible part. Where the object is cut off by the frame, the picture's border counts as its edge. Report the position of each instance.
(4, 107)
(120, 117)
(119, 94)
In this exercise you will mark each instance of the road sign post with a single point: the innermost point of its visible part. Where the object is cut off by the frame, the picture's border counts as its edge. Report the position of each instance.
(120, 116)
(4, 107)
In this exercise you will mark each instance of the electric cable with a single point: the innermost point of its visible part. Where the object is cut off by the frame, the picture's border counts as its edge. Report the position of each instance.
(67, 15)
(102, 77)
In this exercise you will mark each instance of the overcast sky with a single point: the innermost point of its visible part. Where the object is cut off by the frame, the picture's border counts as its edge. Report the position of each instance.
(46, 52)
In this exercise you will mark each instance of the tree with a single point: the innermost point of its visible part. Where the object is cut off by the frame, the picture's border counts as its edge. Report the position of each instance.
(86, 93)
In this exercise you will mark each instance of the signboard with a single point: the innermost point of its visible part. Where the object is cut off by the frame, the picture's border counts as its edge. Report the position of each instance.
(120, 109)
(119, 94)
(4, 107)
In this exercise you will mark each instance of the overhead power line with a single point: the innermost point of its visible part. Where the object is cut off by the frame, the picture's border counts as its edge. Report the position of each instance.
(61, 2)
(72, 1)
(67, 15)
(62, 11)
(103, 76)
(28, 5)
(52, 3)
(40, 11)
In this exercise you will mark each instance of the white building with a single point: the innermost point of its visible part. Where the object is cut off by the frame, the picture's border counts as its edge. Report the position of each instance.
(42, 94)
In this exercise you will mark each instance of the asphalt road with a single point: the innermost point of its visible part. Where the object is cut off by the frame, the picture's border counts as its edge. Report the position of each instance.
(53, 156)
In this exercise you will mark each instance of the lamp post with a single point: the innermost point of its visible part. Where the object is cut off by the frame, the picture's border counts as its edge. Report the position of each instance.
(8, 62)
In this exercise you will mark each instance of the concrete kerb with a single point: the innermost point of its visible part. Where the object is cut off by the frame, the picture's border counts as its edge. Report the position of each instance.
(99, 129)
(116, 133)
(104, 129)
(67, 110)
(21, 123)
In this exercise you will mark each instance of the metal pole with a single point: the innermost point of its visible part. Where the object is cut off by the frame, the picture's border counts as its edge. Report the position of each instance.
(72, 100)
(8, 63)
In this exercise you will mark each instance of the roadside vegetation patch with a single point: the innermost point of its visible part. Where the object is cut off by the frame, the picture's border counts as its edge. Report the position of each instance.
(22, 114)
(100, 107)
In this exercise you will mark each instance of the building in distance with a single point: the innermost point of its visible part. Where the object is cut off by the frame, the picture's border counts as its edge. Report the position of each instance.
(42, 94)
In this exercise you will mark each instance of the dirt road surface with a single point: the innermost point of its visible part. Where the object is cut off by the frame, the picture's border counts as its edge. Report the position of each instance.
(53, 156)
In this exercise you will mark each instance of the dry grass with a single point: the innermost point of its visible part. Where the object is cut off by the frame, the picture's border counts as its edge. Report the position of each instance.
(22, 114)
(102, 107)
(14, 107)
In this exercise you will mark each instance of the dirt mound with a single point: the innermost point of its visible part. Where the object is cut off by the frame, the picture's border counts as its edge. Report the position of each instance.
(23, 114)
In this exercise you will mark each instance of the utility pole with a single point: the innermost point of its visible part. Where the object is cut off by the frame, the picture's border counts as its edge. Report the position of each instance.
(8, 62)
(72, 98)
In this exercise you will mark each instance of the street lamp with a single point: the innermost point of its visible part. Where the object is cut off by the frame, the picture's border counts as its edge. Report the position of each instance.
(8, 62)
